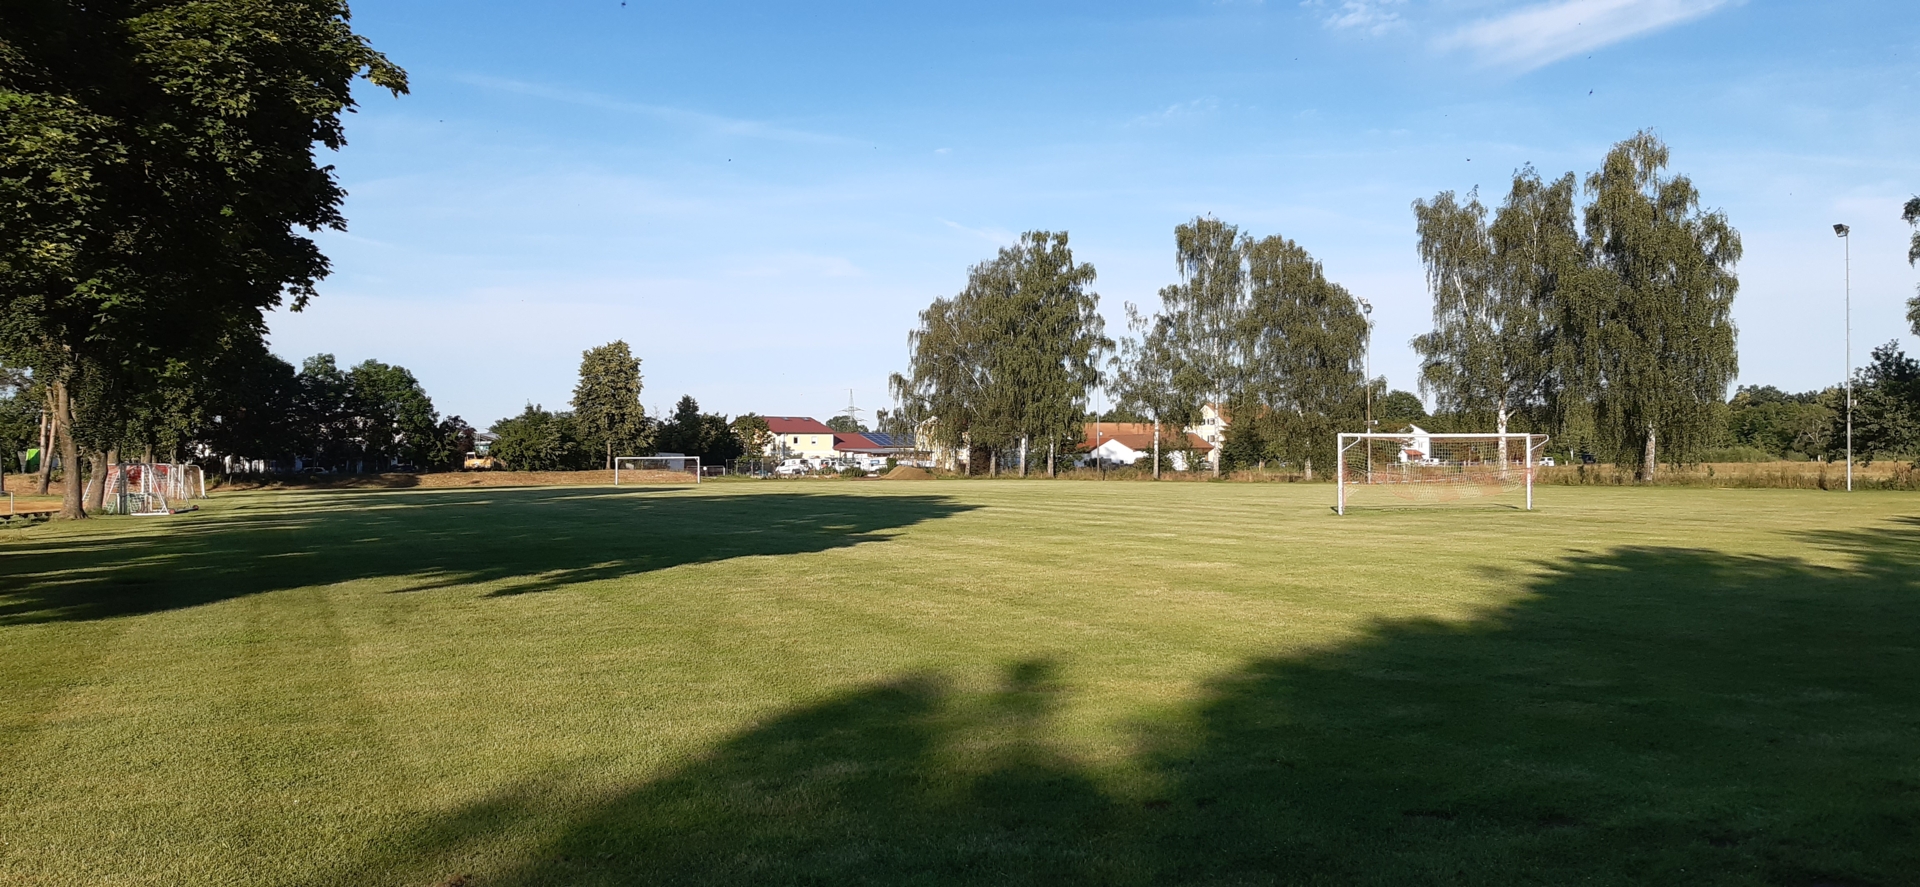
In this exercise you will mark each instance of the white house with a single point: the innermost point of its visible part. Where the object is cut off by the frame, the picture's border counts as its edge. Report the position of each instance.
(1124, 443)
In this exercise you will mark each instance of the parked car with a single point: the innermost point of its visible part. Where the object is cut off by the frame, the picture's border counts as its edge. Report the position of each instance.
(793, 468)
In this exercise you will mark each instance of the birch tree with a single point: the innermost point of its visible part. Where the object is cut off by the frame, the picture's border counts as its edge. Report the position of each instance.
(1656, 330)
(1009, 360)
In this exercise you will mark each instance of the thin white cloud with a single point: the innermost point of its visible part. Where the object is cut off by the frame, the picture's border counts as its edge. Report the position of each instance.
(1177, 112)
(1545, 33)
(1374, 17)
(995, 236)
(714, 123)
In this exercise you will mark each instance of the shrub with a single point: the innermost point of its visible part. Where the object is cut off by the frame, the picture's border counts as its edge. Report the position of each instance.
(1738, 453)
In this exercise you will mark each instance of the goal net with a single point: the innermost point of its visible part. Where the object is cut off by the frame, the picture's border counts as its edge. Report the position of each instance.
(668, 469)
(1418, 467)
(152, 488)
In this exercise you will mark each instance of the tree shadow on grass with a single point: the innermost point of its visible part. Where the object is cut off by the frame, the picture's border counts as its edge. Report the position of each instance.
(516, 540)
(1643, 715)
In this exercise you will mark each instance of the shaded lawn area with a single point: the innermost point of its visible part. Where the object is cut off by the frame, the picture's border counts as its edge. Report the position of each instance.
(965, 683)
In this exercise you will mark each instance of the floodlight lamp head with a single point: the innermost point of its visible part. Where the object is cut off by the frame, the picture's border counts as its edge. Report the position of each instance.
(1840, 230)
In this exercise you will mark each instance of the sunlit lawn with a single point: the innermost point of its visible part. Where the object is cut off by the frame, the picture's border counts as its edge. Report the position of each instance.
(965, 682)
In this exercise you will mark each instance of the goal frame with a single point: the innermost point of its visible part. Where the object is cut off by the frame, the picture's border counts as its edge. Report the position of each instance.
(683, 459)
(1346, 439)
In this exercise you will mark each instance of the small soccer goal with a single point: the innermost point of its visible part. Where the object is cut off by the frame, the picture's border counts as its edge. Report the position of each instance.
(152, 488)
(1418, 467)
(668, 469)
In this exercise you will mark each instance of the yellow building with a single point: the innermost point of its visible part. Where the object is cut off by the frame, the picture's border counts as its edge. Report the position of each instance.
(799, 437)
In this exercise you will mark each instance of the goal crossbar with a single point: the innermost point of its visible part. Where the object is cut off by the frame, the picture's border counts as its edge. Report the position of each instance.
(1489, 461)
(644, 469)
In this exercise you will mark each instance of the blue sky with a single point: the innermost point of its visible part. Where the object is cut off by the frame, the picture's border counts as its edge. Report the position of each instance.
(760, 197)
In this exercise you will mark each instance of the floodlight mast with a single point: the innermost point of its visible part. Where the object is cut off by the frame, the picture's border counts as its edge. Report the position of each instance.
(1841, 231)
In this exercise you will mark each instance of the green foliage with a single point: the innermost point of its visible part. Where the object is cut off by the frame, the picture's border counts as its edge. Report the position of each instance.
(1781, 424)
(1738, 453)
(1012, 356)
(158, 168)
(606, 403)
(1244, 447)
(1398, 409)
(1497, 290)
(756, 438)
(1886, 408)
(1618, 336)
(391, 417)
(846, 425)
(1303, 341)
(1256, 324)
(537, 440)
(693, 433)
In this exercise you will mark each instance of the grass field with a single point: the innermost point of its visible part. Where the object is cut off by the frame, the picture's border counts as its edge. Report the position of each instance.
(964, 683)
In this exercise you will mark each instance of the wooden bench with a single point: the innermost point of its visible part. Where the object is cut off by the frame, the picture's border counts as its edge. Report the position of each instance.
(27, 513)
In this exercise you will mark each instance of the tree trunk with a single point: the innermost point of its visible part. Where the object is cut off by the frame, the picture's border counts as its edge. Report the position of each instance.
(1651, 460)
(1023, 455)
(47, 425)
(1503, 441)
(1309, 465)
(1156, 448)
(1050, 448)
(993, 463)
(71, 506)
(96, 495)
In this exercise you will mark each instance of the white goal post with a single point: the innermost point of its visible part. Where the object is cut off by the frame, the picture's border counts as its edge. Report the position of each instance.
(669, 469)
(1420, 466)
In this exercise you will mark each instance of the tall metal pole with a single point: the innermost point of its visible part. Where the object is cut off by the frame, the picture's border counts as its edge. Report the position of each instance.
(1366, 308)
(1847, 251)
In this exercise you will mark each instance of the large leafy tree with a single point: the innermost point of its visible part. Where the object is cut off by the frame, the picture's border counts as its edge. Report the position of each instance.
(391, 417)
(157, 158)
(1610, 324)
(1009, 361)
(1303, 340)
(1256, 328)
(1653, 331)
(1153, 378)
(755, 435)
(1497, 288)
(606, 402)
(537, 440)
(1205, 311)
(690, 432)
(1886, 407)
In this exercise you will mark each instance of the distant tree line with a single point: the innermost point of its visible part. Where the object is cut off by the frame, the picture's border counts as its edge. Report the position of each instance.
(607, 421)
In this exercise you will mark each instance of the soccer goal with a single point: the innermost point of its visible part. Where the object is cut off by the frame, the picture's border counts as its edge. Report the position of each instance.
(1416, 467)
(152, 488)
(668, 469)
